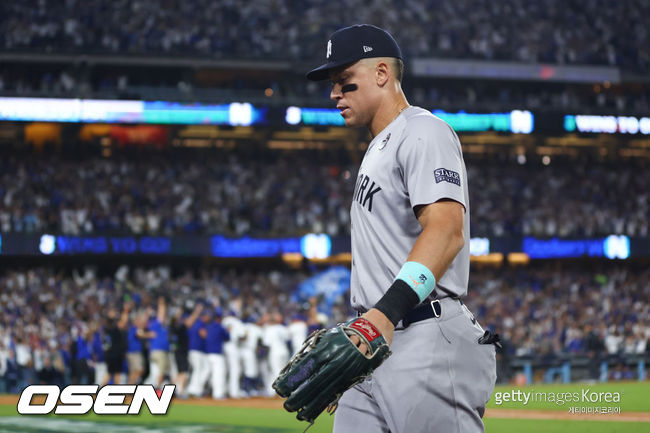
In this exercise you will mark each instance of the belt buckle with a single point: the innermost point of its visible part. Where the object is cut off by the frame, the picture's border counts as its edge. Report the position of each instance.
(435, 306)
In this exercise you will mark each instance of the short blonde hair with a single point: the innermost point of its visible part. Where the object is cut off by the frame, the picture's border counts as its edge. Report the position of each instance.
(398, 68)
(395, 64)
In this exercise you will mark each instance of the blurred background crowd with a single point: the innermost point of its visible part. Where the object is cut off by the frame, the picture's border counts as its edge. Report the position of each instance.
(558, 311)
(61, 326)
(227, 194)
(551, 31)
(56, 323)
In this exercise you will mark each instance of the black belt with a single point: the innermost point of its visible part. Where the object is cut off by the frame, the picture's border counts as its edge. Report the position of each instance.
(428, 310)
(425, 311)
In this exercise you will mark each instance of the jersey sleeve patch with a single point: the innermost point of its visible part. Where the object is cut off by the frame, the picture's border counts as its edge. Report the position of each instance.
(445, 175)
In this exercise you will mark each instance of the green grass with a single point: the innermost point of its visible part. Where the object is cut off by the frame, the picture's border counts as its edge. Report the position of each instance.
(224, 419)
(210, 420)
(496, 425)
(635, 397)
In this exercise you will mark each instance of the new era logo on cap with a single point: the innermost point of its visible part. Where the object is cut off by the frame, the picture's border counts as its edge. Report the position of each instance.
(353, 43)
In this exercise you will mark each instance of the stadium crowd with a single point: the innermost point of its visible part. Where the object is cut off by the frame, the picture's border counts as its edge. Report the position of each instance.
(227, 196)
(241, 196)
(83, 328)
(554, 311)
(578, 198)
(596, 32)
(230, 331)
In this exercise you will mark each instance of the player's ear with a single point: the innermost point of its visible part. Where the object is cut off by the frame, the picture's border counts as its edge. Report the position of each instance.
(382, 73)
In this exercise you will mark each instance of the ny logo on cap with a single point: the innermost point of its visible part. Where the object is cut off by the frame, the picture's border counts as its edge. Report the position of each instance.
(329, 49)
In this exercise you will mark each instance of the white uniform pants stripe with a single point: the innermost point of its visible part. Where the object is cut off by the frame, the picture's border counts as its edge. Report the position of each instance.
(200, 371)
(217, 364)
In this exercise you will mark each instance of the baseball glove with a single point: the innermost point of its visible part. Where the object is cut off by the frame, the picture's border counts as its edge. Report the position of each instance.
(327, 365)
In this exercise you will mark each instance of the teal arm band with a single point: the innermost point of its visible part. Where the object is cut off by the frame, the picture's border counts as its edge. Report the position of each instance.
(419, 278)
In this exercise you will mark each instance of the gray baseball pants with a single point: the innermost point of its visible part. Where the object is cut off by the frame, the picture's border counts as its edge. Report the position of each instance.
(437, 380)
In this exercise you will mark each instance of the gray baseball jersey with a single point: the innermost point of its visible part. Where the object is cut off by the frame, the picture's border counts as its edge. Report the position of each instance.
(415, 160)
(439, 377)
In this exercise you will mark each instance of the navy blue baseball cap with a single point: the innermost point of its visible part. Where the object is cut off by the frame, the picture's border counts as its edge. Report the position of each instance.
(349, 44)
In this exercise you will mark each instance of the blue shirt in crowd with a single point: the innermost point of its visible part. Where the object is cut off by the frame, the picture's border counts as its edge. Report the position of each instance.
(83, 351)
(217, 335)
(97, 347)
(161, 340)
(134, 345)
(195, 342)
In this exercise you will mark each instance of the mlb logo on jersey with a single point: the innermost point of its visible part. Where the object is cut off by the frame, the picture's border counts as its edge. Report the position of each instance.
(384, 142)
(444, 175)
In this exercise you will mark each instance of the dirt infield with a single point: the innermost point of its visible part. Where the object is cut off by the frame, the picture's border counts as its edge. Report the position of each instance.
(276, 403)
(256, 402)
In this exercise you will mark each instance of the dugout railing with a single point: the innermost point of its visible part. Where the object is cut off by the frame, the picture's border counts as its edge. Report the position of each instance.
(567, 368)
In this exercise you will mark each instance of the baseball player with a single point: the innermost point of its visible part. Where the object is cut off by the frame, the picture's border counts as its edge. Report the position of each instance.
(200, 368)
(216, 336)
(253, 335)
(276, 337)
(410, 253)
(237, 332)
(298, 331)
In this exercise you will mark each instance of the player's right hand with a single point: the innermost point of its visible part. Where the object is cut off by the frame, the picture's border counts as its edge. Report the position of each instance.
(382, 323)
(327, 365)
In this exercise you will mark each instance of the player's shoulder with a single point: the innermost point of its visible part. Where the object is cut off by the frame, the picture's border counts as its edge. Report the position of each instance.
(419, 121)
(423, 130)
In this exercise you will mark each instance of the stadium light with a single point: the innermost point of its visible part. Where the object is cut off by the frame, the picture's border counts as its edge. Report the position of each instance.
(617, 247)
(240, 114)
(479, 246)
(521, 121)
(47, 245)
(293, 115)
(316, 246)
